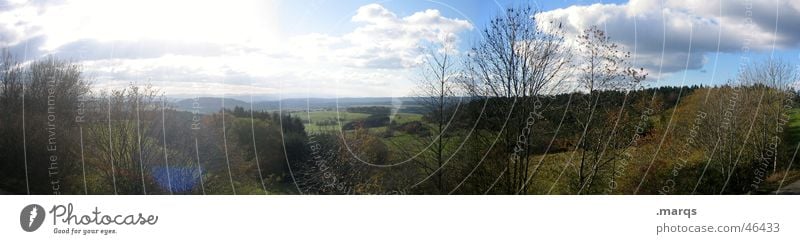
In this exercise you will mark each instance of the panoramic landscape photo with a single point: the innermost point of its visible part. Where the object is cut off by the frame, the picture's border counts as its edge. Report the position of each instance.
(625, 97)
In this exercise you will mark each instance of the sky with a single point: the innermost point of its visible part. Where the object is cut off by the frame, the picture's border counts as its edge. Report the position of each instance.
(308, 48)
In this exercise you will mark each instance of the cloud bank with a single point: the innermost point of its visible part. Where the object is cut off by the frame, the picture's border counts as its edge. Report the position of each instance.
(686, 30)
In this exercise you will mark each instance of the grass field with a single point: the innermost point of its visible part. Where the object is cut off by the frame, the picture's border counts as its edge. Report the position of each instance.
(401, 118)
(794, 127)
(784, 177)
(310, 119)
(316, 116)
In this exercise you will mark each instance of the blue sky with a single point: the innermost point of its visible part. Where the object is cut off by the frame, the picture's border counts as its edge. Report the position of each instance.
(333, 16)
(368, 48)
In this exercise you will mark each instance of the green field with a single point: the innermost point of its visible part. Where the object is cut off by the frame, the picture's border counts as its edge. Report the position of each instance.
(794, 127)
(315, 116)
(401, 118)
(312, 119)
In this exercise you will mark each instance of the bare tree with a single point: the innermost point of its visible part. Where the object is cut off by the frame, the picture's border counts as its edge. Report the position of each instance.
(744, 130)
(436, 92)
(515, 62)
(11, 76)
(123, 138)
(41, 151)
(750, 130)
(773, 78)
(603, 66)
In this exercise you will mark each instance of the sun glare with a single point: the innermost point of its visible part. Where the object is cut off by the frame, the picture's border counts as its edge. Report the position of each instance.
(247, 22)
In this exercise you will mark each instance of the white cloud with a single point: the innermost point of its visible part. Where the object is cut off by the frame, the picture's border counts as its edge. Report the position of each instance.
(15, 22)
(231, 45)
(651, 26)
(375, 14)
(385, 40)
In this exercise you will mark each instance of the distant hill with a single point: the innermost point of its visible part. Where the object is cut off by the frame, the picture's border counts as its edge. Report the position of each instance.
(322, 103)
(208, 105)
(214, 104)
